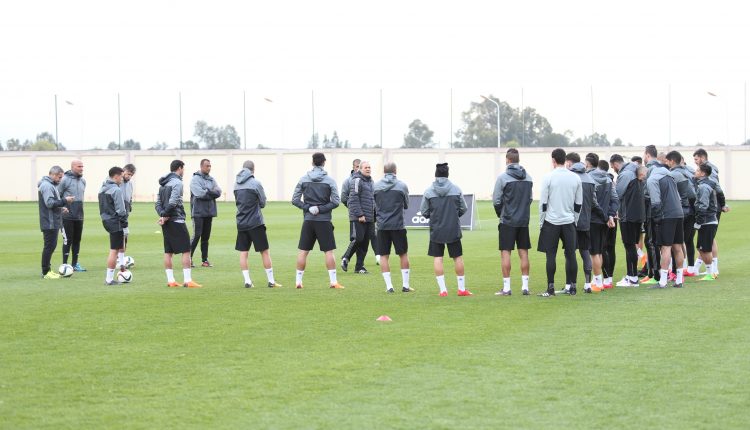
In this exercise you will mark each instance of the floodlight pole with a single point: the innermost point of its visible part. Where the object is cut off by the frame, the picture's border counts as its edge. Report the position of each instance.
(57, 145)
(498, 118)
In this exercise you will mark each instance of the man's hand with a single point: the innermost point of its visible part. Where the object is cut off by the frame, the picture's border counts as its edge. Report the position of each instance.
(65, 210)
(162, 220)
(611, 222)
(125, 231)
(69, 199)
(725, 209)
(314, 210)
(362, 219)
(697, 226)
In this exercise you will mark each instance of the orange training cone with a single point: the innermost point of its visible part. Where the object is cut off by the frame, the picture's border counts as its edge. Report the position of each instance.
(384, 318)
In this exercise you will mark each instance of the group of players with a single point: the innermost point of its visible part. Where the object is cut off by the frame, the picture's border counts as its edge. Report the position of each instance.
(658, 205)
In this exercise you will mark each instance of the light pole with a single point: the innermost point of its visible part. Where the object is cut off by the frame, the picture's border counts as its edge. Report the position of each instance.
(57, 145)
(726, 112)
(119, 128)
(498, 118)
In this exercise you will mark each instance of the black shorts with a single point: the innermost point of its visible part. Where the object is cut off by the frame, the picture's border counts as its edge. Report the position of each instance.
(550, 235)
(256, 237)
(510, 237)
(598, 235)
(395, 237)
(455, 249)
(706, 236)
(668, 232)
(117, 240)
(630, 232)
(176, 238)
(322, 231)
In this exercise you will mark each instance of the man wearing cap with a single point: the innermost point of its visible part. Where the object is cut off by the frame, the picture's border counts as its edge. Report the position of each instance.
(316, 195)
(443, 204)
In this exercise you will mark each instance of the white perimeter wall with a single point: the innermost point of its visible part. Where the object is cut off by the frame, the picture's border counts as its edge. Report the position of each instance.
(474, 170)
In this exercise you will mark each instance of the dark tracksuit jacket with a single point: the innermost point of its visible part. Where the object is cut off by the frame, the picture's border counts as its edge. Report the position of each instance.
(112, 207)
(316, 188)
(685, 187)
(391, 198)
(169, 203)
(250, 199)
(606, 196)
(630, 191)
(512, 196)
(50, 205)
(203, 194)
(345, 189)
(590, 206)
(443, 204)
(664, 196)
(705, 203)
(127, 194)
(73, 185)
(361, 200)
(714, 178)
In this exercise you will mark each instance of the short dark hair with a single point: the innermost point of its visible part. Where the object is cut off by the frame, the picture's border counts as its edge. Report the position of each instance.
(651, 150)
(603, 165)
(558, 154)
(616, 158)
(636, 159)
(205, 160)
(512, 150)
(512, 156)
(175, 165)
(115, 171)
(129, 168)
(356, 161)
(573, 156)
(700, 152)
(592, 159)
(318, 159)
(706, 169)
(674, 157)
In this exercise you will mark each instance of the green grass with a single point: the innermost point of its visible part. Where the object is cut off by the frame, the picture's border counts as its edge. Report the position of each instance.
(77, 354)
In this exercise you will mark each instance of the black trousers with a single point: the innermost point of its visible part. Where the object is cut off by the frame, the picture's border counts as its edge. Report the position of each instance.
(50, 244)
(202, 232)
(352, 248)
(72, 233)
(609, 257)
(364, 236)
(689, 231)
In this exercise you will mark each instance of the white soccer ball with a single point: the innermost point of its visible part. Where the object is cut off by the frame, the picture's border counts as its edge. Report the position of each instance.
(66, 270)
(129, 262)
(124, 276)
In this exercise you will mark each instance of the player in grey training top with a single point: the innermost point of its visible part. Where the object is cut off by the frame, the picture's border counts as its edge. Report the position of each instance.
(391, 198)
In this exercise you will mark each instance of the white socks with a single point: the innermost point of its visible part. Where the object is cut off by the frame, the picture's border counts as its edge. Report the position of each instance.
(332, 276)
(170, 275)
(110, 275)
(298, 277)
(269, 275)
(663, 276)
(388, 283)
(187, 276)
(715, 264)
(441, 283)
(405, 277)
(506, 284)
(524, 282)
(679, 279)
(120, 259)
(461, 286)
(598, 281)
(246, 275)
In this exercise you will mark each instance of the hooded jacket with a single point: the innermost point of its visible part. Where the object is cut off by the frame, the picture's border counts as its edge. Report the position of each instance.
(345, 189)
(664, 196)
(250, 199)
(606, 196)
(630, 191)
(316, 188)
(361, 198)
(512, 196)
(50, 205)
(127, 194)
(685, 187)
(705, 202)
(73, 185)
(714, 180)
(561, 197)
(590, 206)
(112, 207)
(203, 194)
(169, 203)
(443, 204)
(391, 198)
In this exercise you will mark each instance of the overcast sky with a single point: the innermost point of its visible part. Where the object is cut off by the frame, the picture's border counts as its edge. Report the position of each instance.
(562, 55)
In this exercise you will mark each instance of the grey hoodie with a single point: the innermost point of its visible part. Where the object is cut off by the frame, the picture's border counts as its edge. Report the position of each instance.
(169, 203)
(663, 194)
(606, 196)
(316, 188)
(112, 207)
(250, 199)
(590, 206)
(203, 194)
(685, 187)
(391, 198)
(706, 205)
(50, 205)
(73, 185)
(561, 197)
(443, 204)
(512, 196)
(127, 194)
(630, 191)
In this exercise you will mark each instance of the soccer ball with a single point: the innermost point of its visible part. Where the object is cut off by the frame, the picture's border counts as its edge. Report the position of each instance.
(129, 262)
(66, 270)
(124, 276)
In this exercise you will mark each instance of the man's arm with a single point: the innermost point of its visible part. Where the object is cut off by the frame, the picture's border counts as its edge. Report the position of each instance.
(424, 207)
(354, 203)
(655, 197)
(578, 202)
(333, 201)
(497, 196)
(261, 195)
(543, 200)
(297, 197)
(462, 208)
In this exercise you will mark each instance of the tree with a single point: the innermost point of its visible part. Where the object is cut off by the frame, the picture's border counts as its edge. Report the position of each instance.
(159, 146)
(419, 136)
(211, 137)
(314, 142)
(190, 145)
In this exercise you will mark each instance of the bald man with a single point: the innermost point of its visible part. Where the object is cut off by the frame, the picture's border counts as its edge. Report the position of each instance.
(73, 184)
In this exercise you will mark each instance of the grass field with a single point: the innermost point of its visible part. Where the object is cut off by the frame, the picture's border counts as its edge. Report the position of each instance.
(77, 354)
